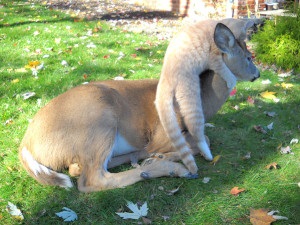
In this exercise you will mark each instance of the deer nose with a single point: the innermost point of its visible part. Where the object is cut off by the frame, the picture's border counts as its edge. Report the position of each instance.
(256, 77)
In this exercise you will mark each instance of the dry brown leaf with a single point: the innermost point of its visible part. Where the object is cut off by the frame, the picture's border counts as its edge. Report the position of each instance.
(260, 129)
(146, 220)
(236, 190)
(247, 156)
(272, 165)
(250, 100)
(260, 217)
(173, 191)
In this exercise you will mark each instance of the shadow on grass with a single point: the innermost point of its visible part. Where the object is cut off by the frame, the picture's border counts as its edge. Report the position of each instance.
(231, 140)
(28, 13)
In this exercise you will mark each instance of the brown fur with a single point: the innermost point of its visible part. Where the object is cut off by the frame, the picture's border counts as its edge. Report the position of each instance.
(79, 129)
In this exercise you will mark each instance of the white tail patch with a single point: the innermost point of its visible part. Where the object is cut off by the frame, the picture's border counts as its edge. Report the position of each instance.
(66, 183)
(34, 166)
(38, 168)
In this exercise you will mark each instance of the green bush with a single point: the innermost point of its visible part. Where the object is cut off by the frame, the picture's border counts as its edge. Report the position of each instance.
(278, 41)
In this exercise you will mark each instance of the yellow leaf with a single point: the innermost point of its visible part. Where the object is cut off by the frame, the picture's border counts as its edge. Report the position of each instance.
(286, 86)
(268, 94)
(15, 81)
(32, 64)
(21, 70)
(57, 40)
(215, 160)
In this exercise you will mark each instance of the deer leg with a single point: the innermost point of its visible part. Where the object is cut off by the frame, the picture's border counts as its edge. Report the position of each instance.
(173, 155)
(93, 179)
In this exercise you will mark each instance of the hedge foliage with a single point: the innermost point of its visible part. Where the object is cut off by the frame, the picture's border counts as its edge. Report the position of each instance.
(278, 41)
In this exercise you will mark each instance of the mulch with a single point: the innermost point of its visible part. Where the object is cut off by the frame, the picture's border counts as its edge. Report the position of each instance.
(121, 13)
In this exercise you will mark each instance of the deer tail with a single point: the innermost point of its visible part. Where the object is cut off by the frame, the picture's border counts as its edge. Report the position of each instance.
(41, 173)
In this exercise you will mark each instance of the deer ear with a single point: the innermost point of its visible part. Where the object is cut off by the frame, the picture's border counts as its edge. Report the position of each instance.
(224, 38)
(244, 29)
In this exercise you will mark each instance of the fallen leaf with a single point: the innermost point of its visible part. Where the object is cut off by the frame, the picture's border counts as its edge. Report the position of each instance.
(269, 95)
(260, 217)
(57, 40)
(146, 220)
(286, 86)
(67, 215)
(266, 81)
(250, 100)
(21, 70)
(137, 213)
(15, 81)
(233, 92)
(166, 218)
(272, 165)
(247, 156)
(64, 63)
(236, 190)
(294, 141)
(9, 121)
(106, 56)
(270, 114)
(286, 150)
(209, 125)
(173, 191)
(119, 78)
(260, 129)
(270, 126)
(28, 95)
(14, 211)
(121, 55)
(161, 188)
(91, 45)
(32, 64)
(287, 74)
(215, 159)
(206, 180)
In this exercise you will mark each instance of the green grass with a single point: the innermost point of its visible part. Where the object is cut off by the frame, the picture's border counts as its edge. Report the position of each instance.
(28, 32)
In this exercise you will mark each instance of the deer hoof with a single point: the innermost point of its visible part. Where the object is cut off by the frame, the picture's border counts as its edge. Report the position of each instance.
(191, 176)
(145, 175)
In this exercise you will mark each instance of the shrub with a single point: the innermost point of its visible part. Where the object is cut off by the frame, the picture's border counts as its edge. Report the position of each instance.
(278, 41)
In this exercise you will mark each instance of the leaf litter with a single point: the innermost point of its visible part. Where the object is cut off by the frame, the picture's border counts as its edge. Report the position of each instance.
(264, 216)
(136, 213)
(236, 191)
(14, 211)
(68, 215)
(272, 165)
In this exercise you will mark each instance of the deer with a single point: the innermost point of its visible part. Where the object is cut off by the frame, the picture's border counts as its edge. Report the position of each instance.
(100, 125)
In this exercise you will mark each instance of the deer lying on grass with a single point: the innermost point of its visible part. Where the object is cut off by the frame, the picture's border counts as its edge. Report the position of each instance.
(100, 125)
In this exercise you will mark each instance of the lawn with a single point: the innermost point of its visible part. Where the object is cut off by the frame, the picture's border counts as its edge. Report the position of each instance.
(46, 52)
